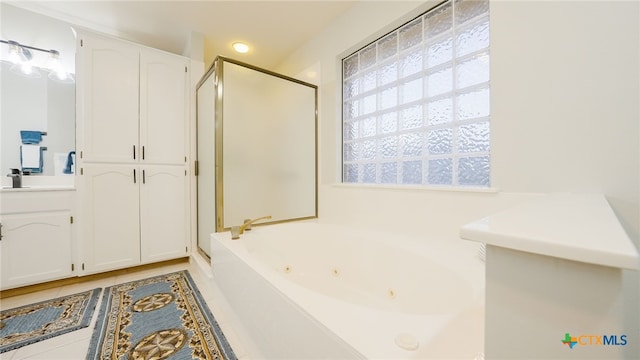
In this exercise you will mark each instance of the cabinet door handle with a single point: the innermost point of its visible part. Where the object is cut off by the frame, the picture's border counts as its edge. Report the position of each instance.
(144, 177)
(142, 152)
(134, 176)
(0, 231)
(134, 152)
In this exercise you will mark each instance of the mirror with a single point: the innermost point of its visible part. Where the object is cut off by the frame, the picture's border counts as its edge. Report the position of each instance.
(37, 104)
(265, 144)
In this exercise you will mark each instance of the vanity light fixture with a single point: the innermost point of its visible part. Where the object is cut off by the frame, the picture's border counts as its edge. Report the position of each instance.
(14, 52)
(240, 47)
(21, 56)
(57, 72)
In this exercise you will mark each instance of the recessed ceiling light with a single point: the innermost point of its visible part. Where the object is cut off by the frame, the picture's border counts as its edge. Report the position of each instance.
(240, 47)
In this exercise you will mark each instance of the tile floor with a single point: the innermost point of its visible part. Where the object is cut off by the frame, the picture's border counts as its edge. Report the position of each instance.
(74, 345)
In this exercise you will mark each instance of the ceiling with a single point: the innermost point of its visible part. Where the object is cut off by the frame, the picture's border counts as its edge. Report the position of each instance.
(272, 29)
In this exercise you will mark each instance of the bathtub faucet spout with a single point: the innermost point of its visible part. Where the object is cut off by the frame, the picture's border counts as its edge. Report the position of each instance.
(236, 231)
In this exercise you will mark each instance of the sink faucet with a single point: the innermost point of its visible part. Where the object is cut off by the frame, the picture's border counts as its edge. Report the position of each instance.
(236, 231)
(16, 178)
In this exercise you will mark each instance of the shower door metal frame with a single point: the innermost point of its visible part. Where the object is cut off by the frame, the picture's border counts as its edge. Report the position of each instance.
(217, 70)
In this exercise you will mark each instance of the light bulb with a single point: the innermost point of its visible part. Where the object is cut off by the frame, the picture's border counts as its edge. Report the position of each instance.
(57, 72)
(240, 47)
(14, 57)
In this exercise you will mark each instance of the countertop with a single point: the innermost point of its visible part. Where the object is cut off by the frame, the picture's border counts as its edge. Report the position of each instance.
(40, 183)
(36, 188)
(579, 227)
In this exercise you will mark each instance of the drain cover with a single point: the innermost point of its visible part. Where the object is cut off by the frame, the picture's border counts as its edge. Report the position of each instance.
(407, 341)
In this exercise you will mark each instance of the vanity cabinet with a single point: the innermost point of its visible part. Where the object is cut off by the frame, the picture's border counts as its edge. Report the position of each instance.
(132, 145)
(36, 244)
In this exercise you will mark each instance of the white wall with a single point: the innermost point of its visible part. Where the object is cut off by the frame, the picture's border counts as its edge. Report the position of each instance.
(565, 117)
(564, 101)
(407, 210)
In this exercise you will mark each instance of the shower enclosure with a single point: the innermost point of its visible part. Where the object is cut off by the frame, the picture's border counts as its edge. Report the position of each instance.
(257, 147)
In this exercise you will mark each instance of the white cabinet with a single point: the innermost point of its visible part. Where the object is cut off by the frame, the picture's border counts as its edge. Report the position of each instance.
(134, 103)
(133, 215)
(108, 87)
(36, 244)
(110, 217)
(163, 99)
(163, 214)
(132, 141)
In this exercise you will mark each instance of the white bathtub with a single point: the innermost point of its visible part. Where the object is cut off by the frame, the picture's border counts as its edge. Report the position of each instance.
(309, 290)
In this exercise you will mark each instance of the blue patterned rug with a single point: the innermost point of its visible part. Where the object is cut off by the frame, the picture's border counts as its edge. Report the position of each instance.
(36, 322)
(157, 318)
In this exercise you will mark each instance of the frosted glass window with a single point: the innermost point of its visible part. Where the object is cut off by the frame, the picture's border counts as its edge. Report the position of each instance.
(416, 102)
(412, 91)
(388, 46)
(389, 147)
(440, 52)
(412, 172)
(368, 81)
(440, 82)
(368, 149)
(411, 34)
(389, 98)
(411, 118)
(411, 63)
(369, 127)
(439, 141)
(389, 173)
(350, 131)
(411, 144)
(351, 173)
(440, 171)
(388, 73)
(369, 173)
(389, 122)
(368, 56)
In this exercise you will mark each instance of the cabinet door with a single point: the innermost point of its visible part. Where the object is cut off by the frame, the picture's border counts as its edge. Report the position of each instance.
(163, 108)
(108, 86)
(110, 213)
(163, 213)
(35, 247)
